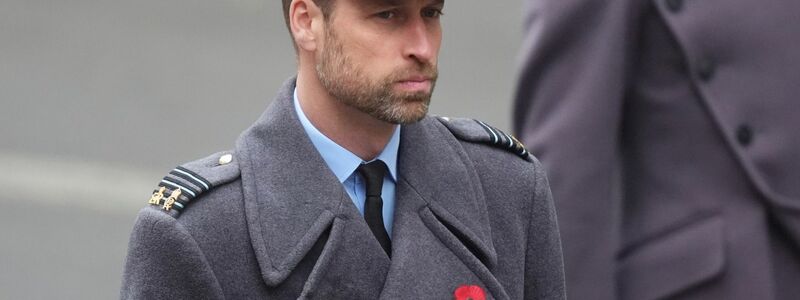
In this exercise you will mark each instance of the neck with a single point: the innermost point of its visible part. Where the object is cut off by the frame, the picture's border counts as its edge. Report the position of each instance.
(356, 131)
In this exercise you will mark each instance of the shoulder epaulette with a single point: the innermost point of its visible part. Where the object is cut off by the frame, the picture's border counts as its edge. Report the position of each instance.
(479, 132)
(190, 180)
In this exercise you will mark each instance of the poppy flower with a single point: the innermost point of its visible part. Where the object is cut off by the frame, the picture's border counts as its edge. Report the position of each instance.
(469, 292)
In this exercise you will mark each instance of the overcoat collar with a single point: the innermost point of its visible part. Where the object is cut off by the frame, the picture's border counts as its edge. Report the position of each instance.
(292, 198)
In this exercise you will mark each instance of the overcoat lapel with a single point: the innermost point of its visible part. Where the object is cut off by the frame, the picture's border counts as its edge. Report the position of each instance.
(302, 224)
(310, 239)
(442, 238)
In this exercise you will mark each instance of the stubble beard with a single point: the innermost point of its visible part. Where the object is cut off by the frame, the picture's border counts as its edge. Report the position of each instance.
(347, 83)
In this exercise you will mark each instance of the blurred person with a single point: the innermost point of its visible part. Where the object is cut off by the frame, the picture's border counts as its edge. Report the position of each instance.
(345, 189)
(669, 132)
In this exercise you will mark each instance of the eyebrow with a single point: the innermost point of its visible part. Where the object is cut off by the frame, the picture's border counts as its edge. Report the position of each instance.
(393, 2)
(379, 2)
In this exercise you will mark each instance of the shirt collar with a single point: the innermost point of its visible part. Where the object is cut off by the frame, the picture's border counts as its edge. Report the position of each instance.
(340, 160)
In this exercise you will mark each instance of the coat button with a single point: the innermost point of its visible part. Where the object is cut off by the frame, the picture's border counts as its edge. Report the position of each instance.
(674, 5)
(706, 69)
(225, 159)
(745, 135)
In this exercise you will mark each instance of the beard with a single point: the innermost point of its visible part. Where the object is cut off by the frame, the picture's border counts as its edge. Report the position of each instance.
(347, 82)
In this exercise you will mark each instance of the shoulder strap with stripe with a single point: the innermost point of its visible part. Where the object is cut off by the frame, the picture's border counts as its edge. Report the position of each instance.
(188, 181)
(479, 132)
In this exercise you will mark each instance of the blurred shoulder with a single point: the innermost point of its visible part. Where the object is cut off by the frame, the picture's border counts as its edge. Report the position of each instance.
(492, 140)
(512, 180)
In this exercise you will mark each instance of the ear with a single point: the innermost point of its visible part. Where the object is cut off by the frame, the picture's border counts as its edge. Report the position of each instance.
(306, 23)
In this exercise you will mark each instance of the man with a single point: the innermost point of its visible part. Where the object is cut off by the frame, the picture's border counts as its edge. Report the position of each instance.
(344, 189)
(668, 130)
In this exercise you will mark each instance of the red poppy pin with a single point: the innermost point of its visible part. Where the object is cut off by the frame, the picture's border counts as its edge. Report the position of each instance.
(469, 292)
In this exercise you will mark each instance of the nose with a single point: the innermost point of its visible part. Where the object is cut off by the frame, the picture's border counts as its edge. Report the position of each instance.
(422, 41)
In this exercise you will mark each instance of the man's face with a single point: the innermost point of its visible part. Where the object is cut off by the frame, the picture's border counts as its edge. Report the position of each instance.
(380, 56)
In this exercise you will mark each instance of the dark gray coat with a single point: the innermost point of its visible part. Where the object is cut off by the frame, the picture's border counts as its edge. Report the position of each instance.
(669, 130)
(275, 223)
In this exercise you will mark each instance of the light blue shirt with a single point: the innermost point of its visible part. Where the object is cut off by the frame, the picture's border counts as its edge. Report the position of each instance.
(344, 163)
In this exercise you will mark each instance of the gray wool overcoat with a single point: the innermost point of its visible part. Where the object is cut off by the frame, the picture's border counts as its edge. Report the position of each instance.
(273, 222)
(670, 130)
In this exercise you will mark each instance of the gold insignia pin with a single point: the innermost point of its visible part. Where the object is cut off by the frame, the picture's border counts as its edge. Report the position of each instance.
(156, 198)
(515, 139)
(171, 200)
(518, 143)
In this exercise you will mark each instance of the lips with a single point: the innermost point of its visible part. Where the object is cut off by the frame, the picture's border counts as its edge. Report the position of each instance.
(415, 83)
(416, 79)
(422, 85)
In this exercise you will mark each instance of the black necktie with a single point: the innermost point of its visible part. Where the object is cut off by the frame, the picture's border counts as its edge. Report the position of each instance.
(373, 174)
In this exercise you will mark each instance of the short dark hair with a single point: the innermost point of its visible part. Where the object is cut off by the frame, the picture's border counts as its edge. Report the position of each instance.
(325, 5)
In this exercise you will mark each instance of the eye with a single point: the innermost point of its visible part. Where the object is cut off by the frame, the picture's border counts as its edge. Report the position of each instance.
(434, 13)
(386, 15)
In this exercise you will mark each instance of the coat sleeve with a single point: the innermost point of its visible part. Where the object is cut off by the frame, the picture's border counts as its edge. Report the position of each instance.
(568, 111)
(165, 262)
(544, 266)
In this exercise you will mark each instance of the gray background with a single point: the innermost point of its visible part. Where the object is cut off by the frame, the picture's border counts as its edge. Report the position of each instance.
(100, 98)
